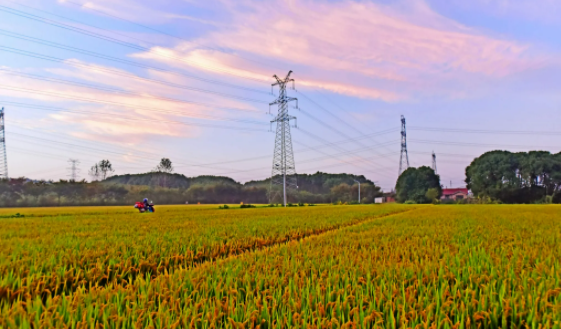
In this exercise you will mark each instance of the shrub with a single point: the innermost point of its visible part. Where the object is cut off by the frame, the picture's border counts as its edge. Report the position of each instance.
(224, 207)
(247, 206)
(410, 202)
(18, 215)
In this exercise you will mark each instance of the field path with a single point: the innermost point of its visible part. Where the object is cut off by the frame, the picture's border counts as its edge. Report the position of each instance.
(299, 238)
(116, 269)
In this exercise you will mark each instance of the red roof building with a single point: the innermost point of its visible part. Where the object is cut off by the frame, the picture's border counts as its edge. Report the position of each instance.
(454, 194)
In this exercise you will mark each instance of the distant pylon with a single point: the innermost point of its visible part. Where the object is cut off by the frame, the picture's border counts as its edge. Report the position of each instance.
(404, 156)
(284, 170)
(434, 162)
(3, 155)
(74, 170)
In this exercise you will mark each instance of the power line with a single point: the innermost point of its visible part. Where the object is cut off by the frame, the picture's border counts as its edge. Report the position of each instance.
(136, 118)
(336, 146)
(122, 74)
(482, 131)
(480, 144)
(120, 60)
(335, 130)
(88, 150)
(28, 17)
(110, 39)
(160, 31)
(89, 100)
(339, 119)
(108, 89)
(81, 148)
(314, 148)
(357, 139)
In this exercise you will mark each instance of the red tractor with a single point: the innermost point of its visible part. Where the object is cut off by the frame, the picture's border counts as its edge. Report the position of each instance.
(145, 206)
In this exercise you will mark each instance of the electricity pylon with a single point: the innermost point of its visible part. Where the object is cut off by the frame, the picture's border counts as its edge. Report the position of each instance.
(404, 155)
(3, 155)
(284, 171)
(434, 162)
(74, 170)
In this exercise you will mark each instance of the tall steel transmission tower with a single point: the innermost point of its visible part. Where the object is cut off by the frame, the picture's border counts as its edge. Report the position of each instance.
(403, 148)
(284, 171)
(3, 155)
(74, 170)
(434, 162)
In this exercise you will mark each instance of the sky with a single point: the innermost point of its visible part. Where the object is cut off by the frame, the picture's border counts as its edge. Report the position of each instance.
(135, 81)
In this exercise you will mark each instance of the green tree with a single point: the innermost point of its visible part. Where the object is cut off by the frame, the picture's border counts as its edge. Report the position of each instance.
(515, 177)
(414, 183)
(341, 192)
(432, 194)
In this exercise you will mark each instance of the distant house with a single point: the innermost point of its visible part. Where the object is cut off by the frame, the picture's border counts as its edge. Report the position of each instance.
(386, 198)
(454, 194)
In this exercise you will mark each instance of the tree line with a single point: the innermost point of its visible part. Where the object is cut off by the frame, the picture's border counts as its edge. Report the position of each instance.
(163, 186)
(493, 177)
(22, 192)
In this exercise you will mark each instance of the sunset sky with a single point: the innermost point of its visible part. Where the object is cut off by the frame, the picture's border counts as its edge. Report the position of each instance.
(134, 81)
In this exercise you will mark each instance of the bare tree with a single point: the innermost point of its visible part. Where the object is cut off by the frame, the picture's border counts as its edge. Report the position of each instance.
(101, 170)
(165, 167)
(106, 168)
(94, 172)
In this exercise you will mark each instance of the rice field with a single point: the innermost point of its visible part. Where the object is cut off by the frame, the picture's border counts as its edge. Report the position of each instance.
(371, 266)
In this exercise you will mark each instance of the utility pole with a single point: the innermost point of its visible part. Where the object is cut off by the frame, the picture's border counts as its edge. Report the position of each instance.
(284, 169)
(3, 155)
(403, 148)
(74, 170)
(434, 162)
(358, 190)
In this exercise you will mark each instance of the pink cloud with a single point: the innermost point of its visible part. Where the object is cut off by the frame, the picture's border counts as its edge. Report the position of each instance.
(378, 47)
(141, 104)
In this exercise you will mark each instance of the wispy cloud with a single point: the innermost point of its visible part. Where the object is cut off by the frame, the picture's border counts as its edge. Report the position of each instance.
(123, 117)
(543, 11)
(380, 51)
(136, 11)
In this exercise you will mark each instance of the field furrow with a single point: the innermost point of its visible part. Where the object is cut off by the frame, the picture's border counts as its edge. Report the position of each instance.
(50, 256)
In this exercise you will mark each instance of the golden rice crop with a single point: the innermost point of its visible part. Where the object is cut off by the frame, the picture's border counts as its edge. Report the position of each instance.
(48, 253)
(435, 266)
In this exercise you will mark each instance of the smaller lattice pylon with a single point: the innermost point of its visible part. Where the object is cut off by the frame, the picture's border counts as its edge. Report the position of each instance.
(74, 170)
(434, 162)
(3, 154)
(404, 157)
